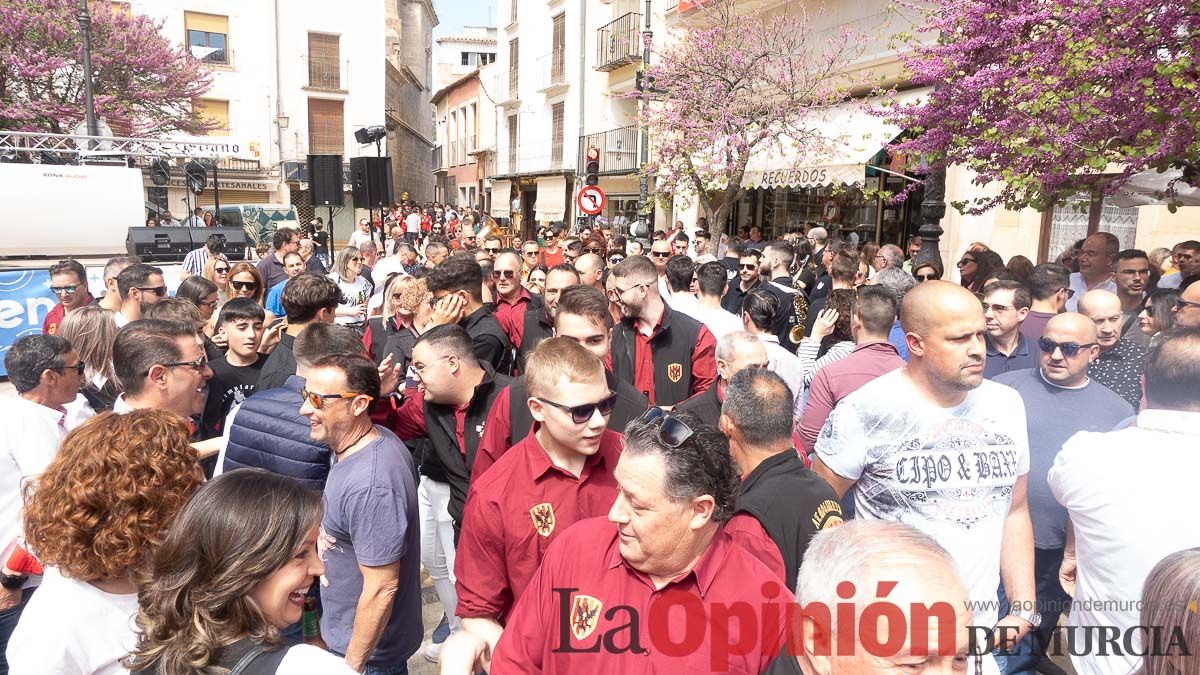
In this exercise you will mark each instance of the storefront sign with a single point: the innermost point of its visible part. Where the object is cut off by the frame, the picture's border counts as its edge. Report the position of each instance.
(812, 176)
(258, 185)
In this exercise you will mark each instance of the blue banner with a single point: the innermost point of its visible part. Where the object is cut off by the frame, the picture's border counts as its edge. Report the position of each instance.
(25, 299)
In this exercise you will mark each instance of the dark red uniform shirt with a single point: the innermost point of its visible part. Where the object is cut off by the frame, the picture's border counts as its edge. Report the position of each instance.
(515, 511)
(704, 361)
(510, 314)
(495, 440)
(575, 616)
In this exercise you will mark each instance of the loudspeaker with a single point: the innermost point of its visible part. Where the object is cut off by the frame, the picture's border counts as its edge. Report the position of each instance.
(325, 180)
(235, 240)
(372, 182)
(159, 244)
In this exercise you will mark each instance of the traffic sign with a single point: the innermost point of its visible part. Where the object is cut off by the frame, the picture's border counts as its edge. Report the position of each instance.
(591, 200)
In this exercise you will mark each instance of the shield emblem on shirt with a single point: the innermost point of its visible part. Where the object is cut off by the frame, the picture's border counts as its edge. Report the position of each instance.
(675, 372)
(585, 614)
(543, 518)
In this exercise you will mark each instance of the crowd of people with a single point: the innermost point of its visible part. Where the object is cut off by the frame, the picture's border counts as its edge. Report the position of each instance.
(571, 432)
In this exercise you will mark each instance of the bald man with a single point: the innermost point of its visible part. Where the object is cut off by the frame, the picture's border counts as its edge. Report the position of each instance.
(591, 271)
(936, 446)
(1060, 401)
(1121, 362)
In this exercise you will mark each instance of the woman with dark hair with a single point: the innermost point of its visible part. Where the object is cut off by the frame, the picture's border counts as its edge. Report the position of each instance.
(231, 574)
(976, 267)
(205, 295)
(831, 339)
(1157, 313)
(95, 518)
(1021, 266)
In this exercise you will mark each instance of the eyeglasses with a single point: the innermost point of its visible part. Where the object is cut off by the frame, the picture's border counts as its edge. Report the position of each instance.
(582, 413)
(244, 285)
(156, 290)
(531, 253)
(996, 308)
(221, 270)
(593, 249)
(77, 367)
(1069, 349)
(671, 432)
(317, 401)
(661, 254)
(1181, 304)
(419, 368)
(198, 365)
(927, 277)
(503, 274)
(615, 292)
(748, 267)
(64, 290)
(965, 261)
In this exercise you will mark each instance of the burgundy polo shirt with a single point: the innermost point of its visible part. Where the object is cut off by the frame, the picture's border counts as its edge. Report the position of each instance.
(510, 314)
(704, 360)
(841, 378)
(576, 615)
(515, 511)
(495, 439)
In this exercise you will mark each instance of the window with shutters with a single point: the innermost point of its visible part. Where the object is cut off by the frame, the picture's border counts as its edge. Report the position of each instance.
(324, 61)
(512, 143)
(217, 112)
(558, 61)
(514, 53)
(513, 12)
(326, 129)
(556, 135)
(207, 36)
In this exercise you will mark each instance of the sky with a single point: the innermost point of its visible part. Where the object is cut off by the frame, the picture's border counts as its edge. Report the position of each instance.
(454, 14)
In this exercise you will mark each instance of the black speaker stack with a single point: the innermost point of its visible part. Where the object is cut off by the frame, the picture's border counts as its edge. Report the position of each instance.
(371, 180)
(325, 180)
(172, 244)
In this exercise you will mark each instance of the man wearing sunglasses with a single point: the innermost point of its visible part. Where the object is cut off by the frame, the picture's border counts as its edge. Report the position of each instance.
(748, 280)
(1060, 401)
(1121, 362)
(161, 365)
(140, 286)
(940, 413)
(581, 316)
(1049, 288)
(666, 355)
(512, 301)
(556, 476)
(1187, 307)
(45, 371)
(372, 598)
(68, 282)
(676, 488)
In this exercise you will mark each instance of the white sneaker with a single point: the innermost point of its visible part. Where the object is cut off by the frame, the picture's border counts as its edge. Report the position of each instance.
(433, 652)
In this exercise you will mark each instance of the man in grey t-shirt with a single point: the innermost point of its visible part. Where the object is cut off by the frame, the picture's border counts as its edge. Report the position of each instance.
(370, 537)
(1060, 401)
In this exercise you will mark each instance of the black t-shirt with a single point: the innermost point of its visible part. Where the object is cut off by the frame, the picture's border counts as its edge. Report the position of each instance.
(320, 239)
(229, 386)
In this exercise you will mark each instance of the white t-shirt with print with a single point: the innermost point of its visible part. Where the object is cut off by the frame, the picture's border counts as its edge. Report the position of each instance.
(71, 627)
(949, 472)
(354, 293)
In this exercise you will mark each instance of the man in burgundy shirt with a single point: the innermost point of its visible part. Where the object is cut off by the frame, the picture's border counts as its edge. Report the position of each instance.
(599, 600)
(666, 355)
(556, 476)
(873, 356)
(512, 300)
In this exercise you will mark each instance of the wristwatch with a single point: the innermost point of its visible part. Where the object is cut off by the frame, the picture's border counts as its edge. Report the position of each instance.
(12, 582)
(1032, 618)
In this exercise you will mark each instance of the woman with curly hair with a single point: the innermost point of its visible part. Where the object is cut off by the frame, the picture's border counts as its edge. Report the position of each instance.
(831, 338)
(95, 518)
(233, 572)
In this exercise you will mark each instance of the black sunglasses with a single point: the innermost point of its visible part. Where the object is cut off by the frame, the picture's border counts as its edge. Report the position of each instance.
(661, 254)
(491, 249)
(221, 270)
(244, 285)
(965, 261)
(1069, 349)
(671, 432)
(748, 267)
(926, 277)
(595, 250)
(157, 290)
(616, 259)
(582, 413)
(77, 367)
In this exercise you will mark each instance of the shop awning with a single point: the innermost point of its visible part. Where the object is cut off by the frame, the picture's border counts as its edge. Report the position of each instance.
(855, 136)
(551, 198)
(1147, 188)
(500, 192)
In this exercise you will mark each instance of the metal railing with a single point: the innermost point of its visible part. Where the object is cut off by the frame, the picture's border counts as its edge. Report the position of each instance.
(324, 73)
(618, 150)
(437, 159)
(619, 43)
(235, 164)
(36, 142)
(552, 70)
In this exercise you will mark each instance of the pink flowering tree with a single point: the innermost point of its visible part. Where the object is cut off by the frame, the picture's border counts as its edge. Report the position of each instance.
(735, 84)
(1044, 97)
(142, 84)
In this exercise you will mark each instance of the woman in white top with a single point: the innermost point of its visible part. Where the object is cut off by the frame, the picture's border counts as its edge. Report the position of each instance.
(233, 572)
(347, 272)
(94, 518)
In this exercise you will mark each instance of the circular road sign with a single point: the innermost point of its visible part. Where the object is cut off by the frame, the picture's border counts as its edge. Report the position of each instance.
(591, 200)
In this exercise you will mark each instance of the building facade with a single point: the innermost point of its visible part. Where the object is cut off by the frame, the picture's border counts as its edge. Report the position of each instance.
(409, 84)
(465, 122)
(459, 55)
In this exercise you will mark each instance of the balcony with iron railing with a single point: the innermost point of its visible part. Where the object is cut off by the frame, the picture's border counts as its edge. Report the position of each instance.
(552, 73)
(618, 150)
(619, 43)
(324, 73)
(438, 159)
(238, 165)
(510, 96)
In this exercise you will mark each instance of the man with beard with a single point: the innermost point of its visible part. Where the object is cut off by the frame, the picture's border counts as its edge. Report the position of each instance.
(161, 365)
(140, 286)
(1131, 272)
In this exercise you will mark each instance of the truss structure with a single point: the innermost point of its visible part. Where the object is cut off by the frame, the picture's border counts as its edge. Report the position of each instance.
(34, 144)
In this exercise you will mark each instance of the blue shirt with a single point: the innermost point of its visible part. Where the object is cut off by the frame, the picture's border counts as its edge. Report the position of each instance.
(1022, 357)
(274, 303)
(896, 339)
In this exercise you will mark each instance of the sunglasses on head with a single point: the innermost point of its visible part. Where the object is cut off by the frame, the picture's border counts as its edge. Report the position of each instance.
(503, 274)
(244, 285)
(1069, 349)
(317, 401)
(671, 431)
(156, 290)
(582, 413)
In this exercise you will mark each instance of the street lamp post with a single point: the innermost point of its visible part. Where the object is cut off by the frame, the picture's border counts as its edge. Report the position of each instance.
(644, 151)
(85, 23)
(933, 209)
